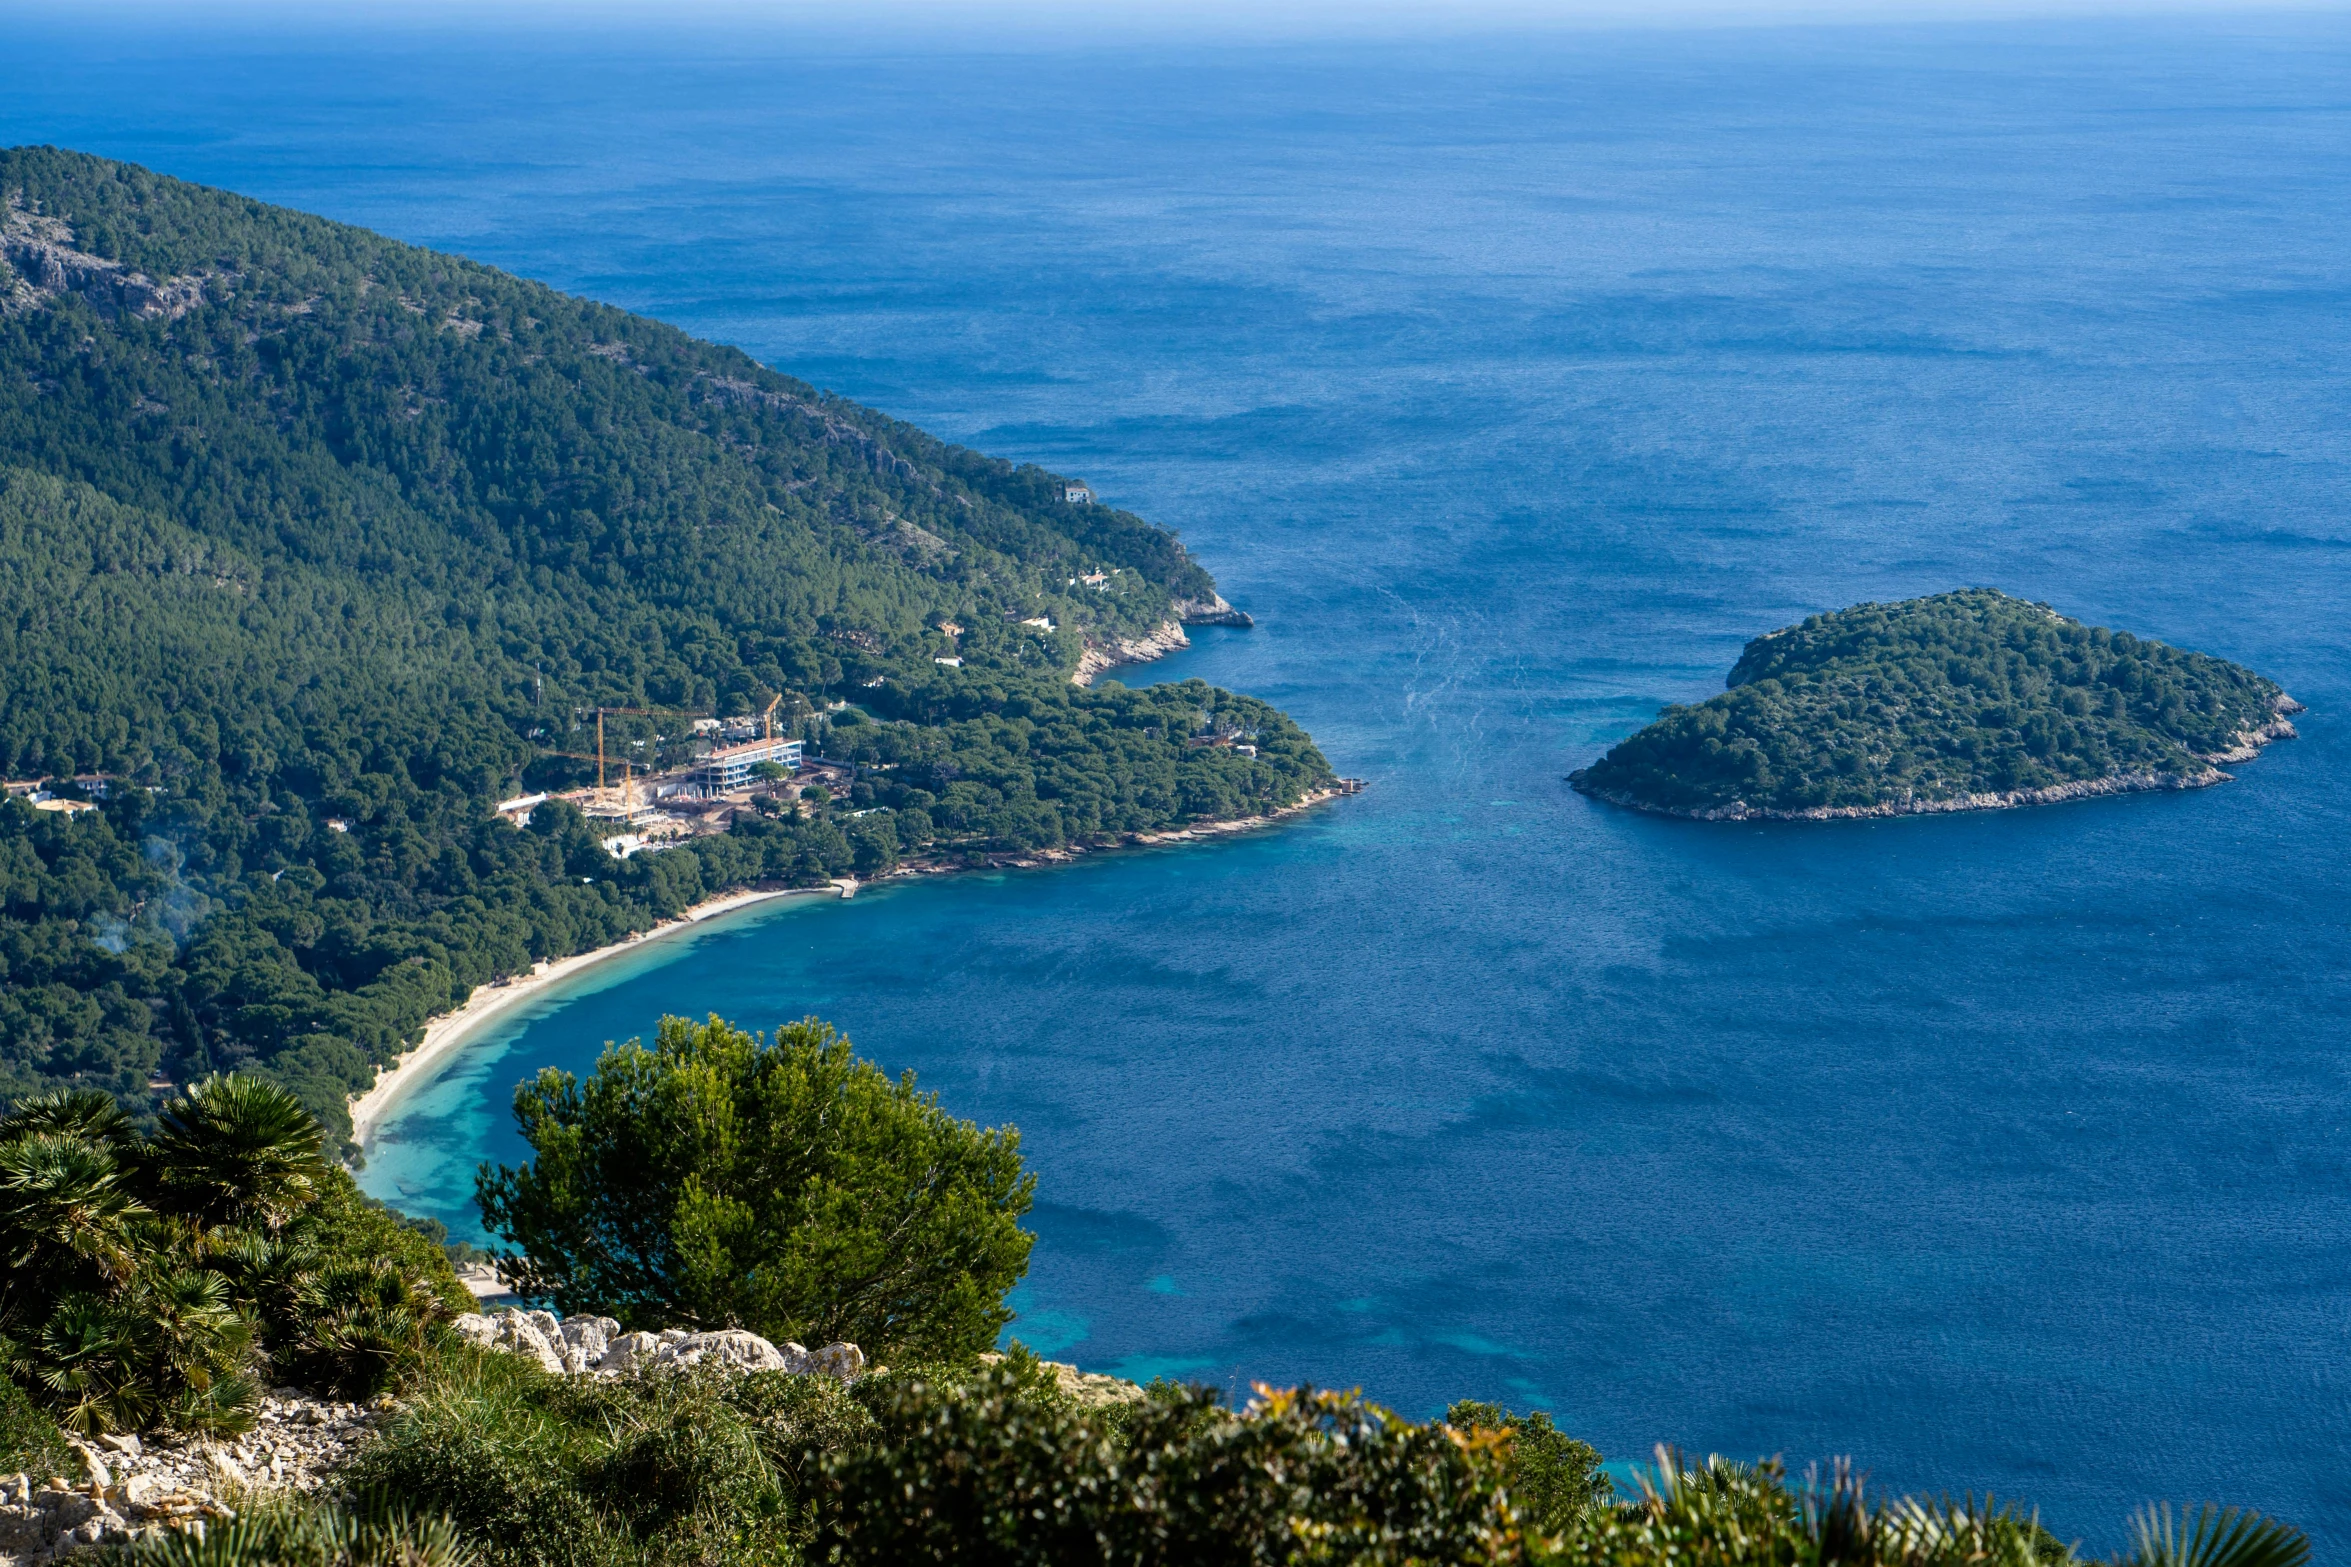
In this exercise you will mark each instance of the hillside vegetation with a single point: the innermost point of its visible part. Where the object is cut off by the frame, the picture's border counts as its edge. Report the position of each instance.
(1962, 699)
(301, 526)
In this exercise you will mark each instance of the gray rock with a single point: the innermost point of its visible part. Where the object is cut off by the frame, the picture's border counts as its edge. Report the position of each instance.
(842, 1362)
(628, 1350)
(735, 1348)
(93, 1466)
(519, 1334)
(476, 1328)
(23, 1530)
(137, 1491)
(589, 1334)
(584, 1342)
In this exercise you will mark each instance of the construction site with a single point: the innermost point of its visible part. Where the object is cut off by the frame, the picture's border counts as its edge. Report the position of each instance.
(736, 764)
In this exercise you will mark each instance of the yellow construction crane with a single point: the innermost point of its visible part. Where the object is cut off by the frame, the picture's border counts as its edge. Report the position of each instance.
(767, 715)
(642, 712)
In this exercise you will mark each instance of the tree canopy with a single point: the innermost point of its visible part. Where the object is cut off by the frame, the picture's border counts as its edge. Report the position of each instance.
(314, 545)
(721, 1180)
(1901, 706)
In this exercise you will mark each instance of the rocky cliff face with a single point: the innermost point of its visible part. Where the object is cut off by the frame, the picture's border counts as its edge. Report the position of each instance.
(1164, 639)
(2250, 741)
(1922, 805)
(42, 264)
(1211, 611)
(587, 1346)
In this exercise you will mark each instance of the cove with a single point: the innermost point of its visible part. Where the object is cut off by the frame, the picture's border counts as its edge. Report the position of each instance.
(1512, 387)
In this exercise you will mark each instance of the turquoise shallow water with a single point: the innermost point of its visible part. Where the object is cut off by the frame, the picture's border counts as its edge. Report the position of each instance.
(1513, 388)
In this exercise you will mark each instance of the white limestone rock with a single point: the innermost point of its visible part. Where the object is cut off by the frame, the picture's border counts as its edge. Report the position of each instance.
(737, 1349)
(842, 1362)
(519, 1334)
(627, 1350)
(477, 1328)
(589, 1335)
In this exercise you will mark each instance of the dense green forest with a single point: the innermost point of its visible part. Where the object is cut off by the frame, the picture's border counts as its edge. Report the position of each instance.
(1891, 707)
(303, 527)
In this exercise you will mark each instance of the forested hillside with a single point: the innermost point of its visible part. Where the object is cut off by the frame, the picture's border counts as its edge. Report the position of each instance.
(298, 523)
(1937, 701)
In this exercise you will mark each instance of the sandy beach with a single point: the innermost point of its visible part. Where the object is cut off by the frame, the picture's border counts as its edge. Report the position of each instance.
(451, 1029)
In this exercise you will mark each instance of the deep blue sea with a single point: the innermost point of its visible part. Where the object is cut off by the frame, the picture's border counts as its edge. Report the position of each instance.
(1512, 384)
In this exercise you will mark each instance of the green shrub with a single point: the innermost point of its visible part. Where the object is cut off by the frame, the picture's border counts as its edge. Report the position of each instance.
(988, 1473)
(30, 1442)
(484, 1440)
(1554, 1479)
(678, 1465)
(290, 1534)
(997, 1465)
(1719, 1512)
(157, 1282)
(718, 1180)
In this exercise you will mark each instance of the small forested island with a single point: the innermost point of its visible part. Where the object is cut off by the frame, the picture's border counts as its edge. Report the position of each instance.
(316, 547)
(1956, 702)
(333, 573)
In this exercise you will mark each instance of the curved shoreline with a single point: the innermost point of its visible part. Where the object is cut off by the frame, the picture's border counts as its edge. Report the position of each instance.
(2248, 747)
(2054, 794)
(444, 1033)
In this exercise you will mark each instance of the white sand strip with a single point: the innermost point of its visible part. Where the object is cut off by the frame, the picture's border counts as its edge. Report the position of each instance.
(451, 1029)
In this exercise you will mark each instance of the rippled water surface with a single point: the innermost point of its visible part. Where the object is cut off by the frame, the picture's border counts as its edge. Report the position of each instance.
(1512, 389)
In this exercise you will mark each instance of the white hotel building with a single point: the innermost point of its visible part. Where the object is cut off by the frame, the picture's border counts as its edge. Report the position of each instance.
(729, 767)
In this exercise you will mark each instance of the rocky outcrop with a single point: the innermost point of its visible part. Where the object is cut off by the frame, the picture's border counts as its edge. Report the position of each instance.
(1164, 639)
(1086, 1389)
(43, 264)
(2250, 741)
(584, 1346)
(1211, 611)
(131, 1486)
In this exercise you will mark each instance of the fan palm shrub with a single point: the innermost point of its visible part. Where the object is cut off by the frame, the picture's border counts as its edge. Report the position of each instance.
(294, 1535)
(66, 1213)
(236, 1149)
(154, 1281)
(359, 1324)
(1746, 1515)
(2213, 1537)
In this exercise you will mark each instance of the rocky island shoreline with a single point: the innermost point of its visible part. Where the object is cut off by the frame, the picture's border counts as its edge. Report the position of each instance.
(1965, 701)
(2249, 746)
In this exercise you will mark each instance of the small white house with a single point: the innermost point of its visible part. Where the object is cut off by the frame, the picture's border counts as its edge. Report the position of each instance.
(1077, 495)
(951, 663)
